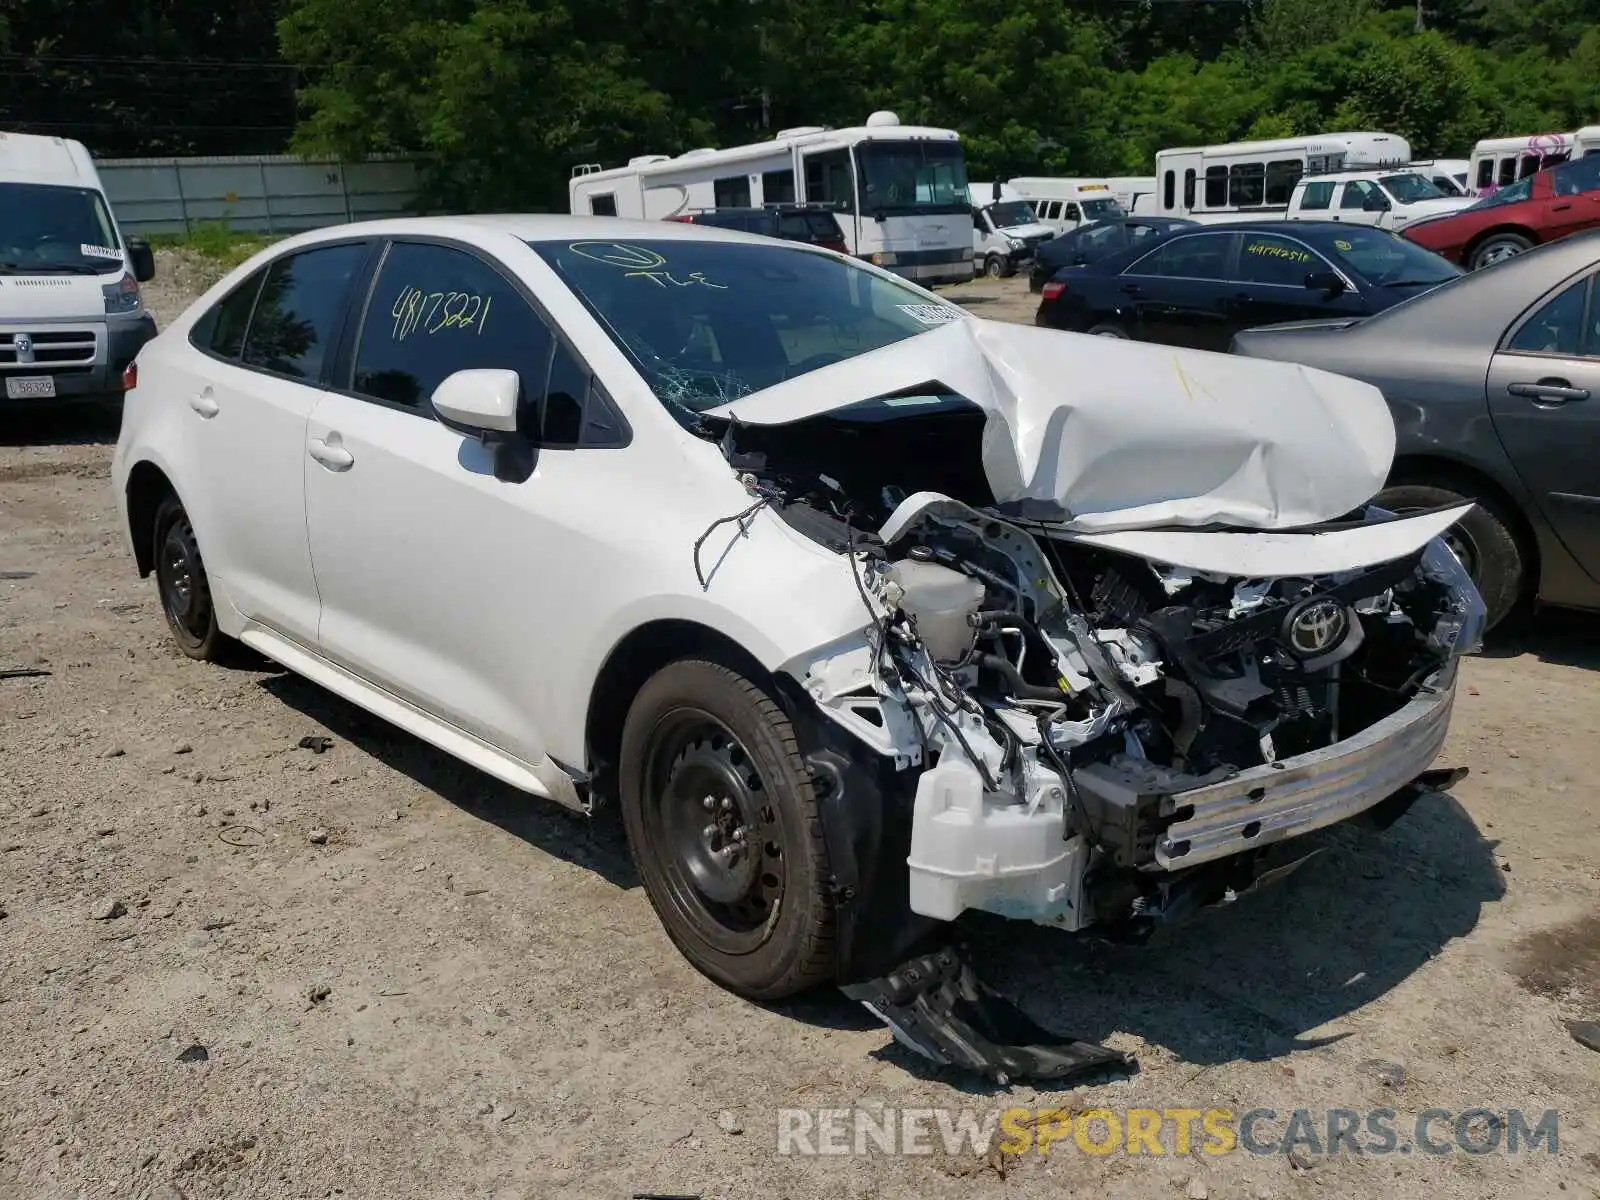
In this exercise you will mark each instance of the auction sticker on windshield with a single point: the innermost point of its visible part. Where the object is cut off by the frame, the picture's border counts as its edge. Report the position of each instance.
(88, 251)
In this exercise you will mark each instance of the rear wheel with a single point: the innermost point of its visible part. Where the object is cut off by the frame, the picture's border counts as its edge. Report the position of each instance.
(1110, 331)
(183, 585)
(723, 826)
(1482, 540)
(1499, 248)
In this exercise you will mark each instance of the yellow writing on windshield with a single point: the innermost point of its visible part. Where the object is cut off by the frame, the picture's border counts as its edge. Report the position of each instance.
(417, 308)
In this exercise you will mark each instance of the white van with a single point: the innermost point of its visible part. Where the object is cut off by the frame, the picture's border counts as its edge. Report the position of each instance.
(1252, 180)
(1005, 233)
(1130, 190)
(1065, 204)
(71, 317)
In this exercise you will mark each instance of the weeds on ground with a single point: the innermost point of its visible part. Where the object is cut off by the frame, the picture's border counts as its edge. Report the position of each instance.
(216, 241)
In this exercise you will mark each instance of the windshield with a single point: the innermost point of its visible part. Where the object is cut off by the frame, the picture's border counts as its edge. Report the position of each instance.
(1096, 210)
(1409, 188)
(708, 322)
(1388, 260)
(1010, 212)
(1511, 194)
(907, 177)
(56, 229)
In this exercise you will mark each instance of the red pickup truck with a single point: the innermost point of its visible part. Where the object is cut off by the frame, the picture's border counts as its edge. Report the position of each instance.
(1555, 203)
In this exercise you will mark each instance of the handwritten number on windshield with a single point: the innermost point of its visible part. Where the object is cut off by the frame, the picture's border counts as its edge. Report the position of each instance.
(430, 312)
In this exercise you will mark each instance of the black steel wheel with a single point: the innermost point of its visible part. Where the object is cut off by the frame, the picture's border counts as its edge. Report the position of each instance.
(722, 824)
(182, 584)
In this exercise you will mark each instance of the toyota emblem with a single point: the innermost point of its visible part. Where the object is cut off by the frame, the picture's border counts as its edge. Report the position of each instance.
(1316, 627)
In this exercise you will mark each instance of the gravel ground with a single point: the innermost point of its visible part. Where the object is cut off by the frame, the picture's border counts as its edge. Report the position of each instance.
(235, 967)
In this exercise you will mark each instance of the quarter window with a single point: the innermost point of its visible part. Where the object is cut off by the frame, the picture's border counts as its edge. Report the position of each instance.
(1317, 196)
(301, 299)
(1558, 327)
(1277, 260)
(221, 331)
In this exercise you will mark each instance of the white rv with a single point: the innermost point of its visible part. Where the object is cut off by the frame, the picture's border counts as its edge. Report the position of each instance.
(1065, 204)
(71, 316)
(1256, 179)
(1005, 233)
(899, 192)
(1497, 162)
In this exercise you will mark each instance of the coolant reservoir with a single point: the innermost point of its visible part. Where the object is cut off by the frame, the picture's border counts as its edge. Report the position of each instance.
(939, 600)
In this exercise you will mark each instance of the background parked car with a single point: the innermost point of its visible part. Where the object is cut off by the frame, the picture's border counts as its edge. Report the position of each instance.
(1494, 382)
(1553, 204)
(1200, 287)
(1095, 241)
(810, 223)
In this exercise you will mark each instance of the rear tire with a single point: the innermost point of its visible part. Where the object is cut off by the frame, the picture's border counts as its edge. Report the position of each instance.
(723, 826)
(1110, 331)
(1483, 540)
(183, 586)
(1499, 248)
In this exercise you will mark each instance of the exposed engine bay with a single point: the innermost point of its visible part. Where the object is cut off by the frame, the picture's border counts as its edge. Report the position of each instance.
(1102, 738)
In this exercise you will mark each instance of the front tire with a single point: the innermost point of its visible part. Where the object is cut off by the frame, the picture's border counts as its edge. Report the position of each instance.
(1110, 331)
(1483, 540)
(994, 267)
(1499, 248)
(723, 826)
(184, 588)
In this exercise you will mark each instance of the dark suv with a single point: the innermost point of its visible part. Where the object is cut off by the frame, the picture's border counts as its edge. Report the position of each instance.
(792, 222)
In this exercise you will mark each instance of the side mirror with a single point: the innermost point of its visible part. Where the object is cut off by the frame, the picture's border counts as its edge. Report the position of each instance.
(1326, 282)
(480, 402)
(143, 259)
(1376, 204)
(1080, 260)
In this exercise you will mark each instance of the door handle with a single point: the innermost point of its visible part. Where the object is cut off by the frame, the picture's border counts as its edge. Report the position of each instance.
(204, 403)
(1561, 207)
(1132, 289)
(331, 454)
(1548, 391)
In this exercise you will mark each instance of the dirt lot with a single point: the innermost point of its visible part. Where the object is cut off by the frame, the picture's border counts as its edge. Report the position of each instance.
(463, 992)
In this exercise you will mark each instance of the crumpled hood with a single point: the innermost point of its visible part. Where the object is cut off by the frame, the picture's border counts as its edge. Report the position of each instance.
(1102, 434)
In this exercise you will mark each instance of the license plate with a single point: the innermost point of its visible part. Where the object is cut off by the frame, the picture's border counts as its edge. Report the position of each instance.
(31, 387)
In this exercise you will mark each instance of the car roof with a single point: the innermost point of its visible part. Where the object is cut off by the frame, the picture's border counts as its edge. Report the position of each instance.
(529, 227)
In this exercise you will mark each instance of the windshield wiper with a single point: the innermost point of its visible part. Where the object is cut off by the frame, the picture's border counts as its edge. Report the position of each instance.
(53, 268)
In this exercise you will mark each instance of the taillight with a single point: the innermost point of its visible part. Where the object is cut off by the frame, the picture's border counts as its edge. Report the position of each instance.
(685, 220)
(1052, 290)
(834, 244)
(130, 376)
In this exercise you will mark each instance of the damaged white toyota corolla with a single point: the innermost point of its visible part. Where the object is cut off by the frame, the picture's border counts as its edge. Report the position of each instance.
(865, 612)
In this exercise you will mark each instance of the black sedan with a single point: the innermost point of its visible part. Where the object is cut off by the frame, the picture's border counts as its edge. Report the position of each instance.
(1198, 287)
(1096, 240)
(1494, 383)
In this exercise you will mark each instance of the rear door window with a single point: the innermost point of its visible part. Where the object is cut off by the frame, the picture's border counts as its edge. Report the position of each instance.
(1559, 326)
(1316, 196)
(297, 312)
(1197, 256)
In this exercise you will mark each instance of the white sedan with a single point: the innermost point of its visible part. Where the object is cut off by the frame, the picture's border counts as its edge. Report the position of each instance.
(862, 610)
